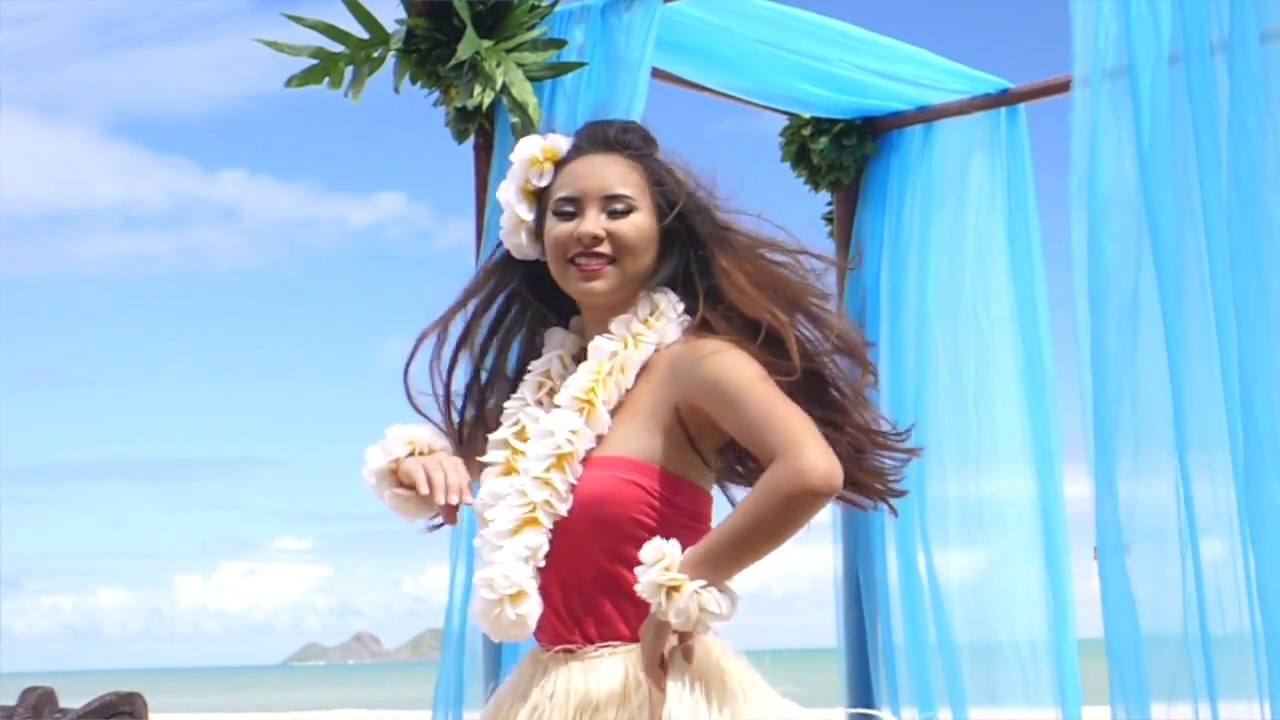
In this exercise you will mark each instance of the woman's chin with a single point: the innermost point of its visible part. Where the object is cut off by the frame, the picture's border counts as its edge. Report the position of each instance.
(602, 296)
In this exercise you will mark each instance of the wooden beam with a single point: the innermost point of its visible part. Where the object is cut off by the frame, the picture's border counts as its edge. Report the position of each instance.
(886, 123)
(1017, 95)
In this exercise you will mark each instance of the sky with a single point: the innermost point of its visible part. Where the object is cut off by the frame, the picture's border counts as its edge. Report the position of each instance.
(208, 286)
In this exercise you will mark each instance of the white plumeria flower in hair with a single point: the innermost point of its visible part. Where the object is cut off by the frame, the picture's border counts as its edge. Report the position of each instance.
(516, 198)
(536, 157)
(517, 236)
(533, 166)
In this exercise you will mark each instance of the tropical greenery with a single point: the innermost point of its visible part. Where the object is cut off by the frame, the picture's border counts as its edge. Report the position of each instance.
(827, 155)
(466, 54)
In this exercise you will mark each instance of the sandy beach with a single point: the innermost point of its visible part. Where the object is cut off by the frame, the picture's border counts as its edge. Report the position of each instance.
(373, 715)
(1236, 711)
(818, 714)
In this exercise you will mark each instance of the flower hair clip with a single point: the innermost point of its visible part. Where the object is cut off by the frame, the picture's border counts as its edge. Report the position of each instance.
(533, 165)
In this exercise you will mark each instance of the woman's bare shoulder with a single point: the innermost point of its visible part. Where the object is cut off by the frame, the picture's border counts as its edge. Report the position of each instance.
(700, 358)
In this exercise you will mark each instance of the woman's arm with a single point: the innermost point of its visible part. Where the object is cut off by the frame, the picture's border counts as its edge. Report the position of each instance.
(801, 473)
(414, 471)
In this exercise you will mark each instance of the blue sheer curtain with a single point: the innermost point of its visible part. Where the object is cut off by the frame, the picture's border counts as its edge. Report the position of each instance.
(804, 63)
(1176, 238)
(964, 603)
(967, 596)
(616, 39)
(968, 593)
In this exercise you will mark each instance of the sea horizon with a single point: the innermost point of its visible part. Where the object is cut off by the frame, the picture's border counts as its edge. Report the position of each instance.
(809, 676)
(250, 665)
(806, 674)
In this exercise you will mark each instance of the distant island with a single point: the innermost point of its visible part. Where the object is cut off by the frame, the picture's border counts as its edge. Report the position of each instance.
(365, 647)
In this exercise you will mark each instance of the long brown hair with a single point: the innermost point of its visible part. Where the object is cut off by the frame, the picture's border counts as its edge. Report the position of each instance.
(764, 295)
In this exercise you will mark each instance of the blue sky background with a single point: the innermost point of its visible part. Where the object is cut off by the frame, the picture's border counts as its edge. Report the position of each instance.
(209, 285)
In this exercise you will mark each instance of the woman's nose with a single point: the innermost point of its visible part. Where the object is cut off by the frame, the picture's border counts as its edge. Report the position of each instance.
(590, 230)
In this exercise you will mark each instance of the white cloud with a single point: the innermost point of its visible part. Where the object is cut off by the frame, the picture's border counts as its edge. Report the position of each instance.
(289, 543)
(798, 568)
(121, 58)
(802, 572)
(250, 590)
(231, 597)
(806, 566)
(75, 195)
(72, 196)
(431, 584)
(52, 613)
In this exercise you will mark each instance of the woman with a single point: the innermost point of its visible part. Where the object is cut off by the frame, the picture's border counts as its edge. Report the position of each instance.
(615, 264)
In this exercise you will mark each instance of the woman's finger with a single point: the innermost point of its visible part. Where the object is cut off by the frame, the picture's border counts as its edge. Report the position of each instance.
(685, 643)
(653, 657)
(456, 476)
(656, 670)
(466, 480)
(413, 476)
(437, 478)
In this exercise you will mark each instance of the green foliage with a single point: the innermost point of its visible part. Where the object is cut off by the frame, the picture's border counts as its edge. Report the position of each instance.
(826, 154)
(466, 54)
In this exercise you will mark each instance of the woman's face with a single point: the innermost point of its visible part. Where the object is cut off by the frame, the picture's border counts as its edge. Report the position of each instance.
(601, 233)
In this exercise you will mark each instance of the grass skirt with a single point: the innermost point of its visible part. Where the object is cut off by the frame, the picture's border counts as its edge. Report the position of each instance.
(608, 683)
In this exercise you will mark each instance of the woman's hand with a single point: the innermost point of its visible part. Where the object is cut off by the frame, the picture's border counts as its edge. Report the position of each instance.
(658, 645)
(441, 477)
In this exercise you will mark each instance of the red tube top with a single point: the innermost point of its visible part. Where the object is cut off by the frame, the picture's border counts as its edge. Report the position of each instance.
(588, 580)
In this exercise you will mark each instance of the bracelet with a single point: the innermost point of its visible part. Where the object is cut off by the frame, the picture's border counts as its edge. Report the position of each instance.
(382, 467)
(689, 605)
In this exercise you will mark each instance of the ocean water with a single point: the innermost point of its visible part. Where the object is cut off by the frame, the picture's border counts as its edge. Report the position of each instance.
(810, 677)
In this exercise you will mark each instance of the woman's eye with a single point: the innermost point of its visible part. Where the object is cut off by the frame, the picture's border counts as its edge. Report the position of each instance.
(563, 214)
(617, 213)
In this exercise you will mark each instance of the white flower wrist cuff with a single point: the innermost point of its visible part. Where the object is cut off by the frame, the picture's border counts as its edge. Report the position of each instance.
(689, 605)
(382, 467)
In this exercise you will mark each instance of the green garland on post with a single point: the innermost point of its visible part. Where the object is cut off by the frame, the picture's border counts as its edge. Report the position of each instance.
(828, 155)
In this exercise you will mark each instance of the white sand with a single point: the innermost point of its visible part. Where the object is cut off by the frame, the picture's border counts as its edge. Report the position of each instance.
(375, 715)
(1235, 711)
(816, 714)
(301, 715)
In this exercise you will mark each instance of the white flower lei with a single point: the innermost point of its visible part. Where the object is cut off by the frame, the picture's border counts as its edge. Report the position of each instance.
(548, 426)
(534, 458)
